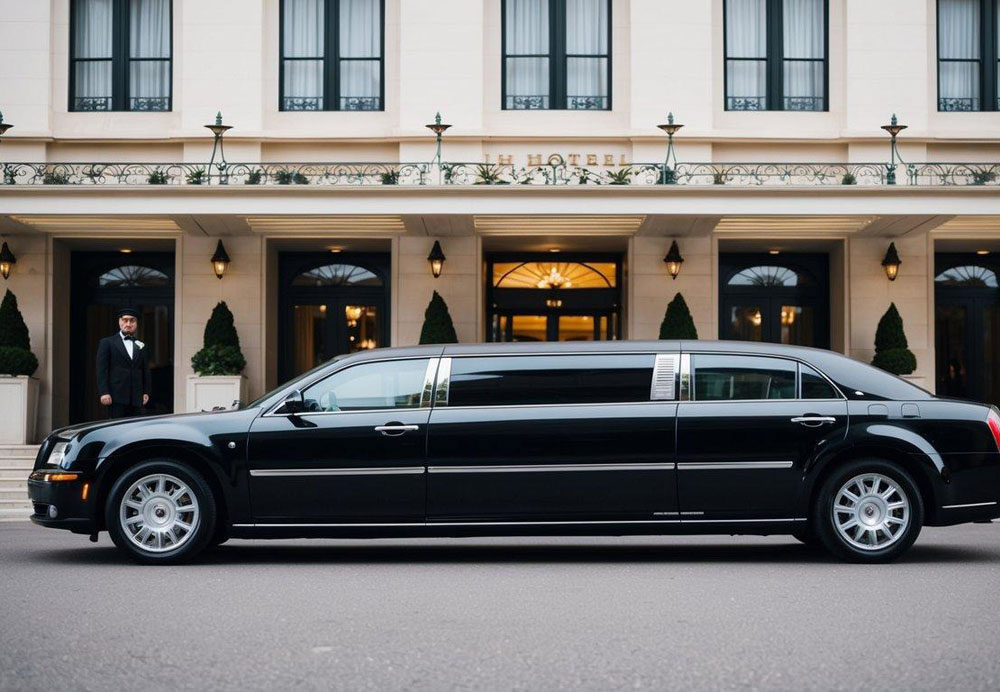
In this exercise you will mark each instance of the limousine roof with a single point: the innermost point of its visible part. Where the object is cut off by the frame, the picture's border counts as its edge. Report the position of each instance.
(856, 380)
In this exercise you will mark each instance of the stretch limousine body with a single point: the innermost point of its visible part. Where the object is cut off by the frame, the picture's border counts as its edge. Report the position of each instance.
(540, 439)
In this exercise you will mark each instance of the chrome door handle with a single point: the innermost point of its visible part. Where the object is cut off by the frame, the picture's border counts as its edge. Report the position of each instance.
(813, 421)
(394, 430)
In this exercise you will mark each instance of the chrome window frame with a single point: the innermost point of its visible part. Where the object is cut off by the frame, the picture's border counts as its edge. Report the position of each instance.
(445, 404)
(687, 379)
(424, 403)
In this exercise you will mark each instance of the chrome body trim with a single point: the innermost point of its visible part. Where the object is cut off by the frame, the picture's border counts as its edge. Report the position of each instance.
(528, 523)
(685, 378)
(971, 504)
(427, 393)
(663, 384)
(733, 465)
(543, 468)
(441, 386)
(361, 471)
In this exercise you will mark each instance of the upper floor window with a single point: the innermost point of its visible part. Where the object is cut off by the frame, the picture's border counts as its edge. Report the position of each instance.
(331, 55)
(120, 55)
(776, 55)
(557, 54)
(968, 35)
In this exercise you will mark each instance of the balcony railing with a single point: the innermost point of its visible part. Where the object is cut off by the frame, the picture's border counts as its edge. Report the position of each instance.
(556, 172)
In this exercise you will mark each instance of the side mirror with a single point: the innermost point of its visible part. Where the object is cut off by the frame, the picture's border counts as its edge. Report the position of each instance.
(293, 403)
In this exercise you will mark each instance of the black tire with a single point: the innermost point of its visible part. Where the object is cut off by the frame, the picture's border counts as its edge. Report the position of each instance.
(831, 537)
(192, 542)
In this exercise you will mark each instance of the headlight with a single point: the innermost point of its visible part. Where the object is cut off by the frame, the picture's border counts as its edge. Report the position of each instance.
(58, 454)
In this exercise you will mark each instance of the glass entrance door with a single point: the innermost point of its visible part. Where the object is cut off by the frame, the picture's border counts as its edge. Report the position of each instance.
(103, 283)
(554, 326)
(330, 307)
(781, 300)
(530, 297)
(967, 327)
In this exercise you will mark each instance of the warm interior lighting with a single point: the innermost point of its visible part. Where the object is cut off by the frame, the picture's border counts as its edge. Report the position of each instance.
(353, 314)
(436, 258)
(335, 248)
(774, 251)
(553, 303)
(553, 249)
(982, 252)
(756, 319)
(126, 250)
(554, 280)
(787, 316)
(322, 309)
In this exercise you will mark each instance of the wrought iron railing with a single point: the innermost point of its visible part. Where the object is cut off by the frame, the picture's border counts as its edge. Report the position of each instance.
(555, 172)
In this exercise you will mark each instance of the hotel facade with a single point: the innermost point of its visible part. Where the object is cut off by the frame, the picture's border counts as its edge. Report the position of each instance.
(554, 196)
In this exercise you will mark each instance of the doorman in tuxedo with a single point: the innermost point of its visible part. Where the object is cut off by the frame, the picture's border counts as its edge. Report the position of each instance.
(123, 380)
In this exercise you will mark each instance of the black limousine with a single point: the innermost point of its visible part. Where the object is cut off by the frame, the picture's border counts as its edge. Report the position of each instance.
(610, 438)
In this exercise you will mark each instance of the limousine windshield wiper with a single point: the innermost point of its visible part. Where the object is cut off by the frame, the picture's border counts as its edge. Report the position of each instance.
(604, 438)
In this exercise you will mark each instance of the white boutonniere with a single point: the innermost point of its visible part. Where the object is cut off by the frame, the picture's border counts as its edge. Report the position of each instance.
(139, 344)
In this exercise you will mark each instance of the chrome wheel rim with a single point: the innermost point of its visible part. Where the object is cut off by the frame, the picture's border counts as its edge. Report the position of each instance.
(159, 513)
(871, 512)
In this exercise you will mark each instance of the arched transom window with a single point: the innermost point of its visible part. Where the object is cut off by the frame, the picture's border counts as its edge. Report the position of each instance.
(554, 275)
(133, 276)
(768, 276)
(967, 275)
(337, 274)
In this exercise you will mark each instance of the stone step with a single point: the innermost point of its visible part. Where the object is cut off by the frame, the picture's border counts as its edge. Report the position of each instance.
(20, 474)
(15, 514)
(8, 484)
(19, 495)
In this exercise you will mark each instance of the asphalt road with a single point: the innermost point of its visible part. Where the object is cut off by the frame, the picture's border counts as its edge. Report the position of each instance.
(538, 614)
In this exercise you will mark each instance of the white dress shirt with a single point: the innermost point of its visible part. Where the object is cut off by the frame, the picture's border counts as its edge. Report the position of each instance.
(129, 344)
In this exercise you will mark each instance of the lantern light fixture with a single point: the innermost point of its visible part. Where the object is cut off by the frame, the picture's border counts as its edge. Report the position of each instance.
(438, 128)
(891, 262)
(669, 175)
(218, 130)
(674, 260)
(436, 258)
(220, 260)
(893, 128)
(7, 261)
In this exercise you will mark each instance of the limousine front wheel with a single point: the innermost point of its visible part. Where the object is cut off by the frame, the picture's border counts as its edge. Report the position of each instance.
(160, 512)
(869, 511)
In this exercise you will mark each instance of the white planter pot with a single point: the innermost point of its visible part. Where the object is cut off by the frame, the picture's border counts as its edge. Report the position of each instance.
(18, 409)
(213, 391)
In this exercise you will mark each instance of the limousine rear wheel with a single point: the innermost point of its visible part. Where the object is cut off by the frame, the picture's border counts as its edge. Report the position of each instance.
(161, 512)
(870, 510)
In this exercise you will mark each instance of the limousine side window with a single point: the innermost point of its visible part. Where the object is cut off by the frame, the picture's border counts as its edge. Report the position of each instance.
(723, 378)
(814, 386)
(556, 379)
(367, 386)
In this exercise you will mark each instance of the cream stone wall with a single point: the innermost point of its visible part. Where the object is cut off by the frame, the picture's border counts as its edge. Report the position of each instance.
(650, 287)
(458, 285)
(198, 293)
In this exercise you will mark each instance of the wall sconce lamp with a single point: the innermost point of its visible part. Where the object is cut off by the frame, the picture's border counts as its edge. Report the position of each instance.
(220, 260)
(438, 128)
(893, 128)
(674, 260)
(7, 261)
(669, 176)
(891, 262)
(436, 258)
(218, 129)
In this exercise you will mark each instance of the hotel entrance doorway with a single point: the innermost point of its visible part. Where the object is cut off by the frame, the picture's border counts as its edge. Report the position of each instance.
(536, 297)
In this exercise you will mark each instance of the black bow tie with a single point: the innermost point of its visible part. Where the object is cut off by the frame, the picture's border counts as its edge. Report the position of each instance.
(128, 337)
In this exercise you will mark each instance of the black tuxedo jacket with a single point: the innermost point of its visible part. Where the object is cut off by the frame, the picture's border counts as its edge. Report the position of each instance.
(125, 379)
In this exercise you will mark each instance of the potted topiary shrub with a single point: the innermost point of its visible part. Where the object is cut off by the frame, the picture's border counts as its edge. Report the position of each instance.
(677, 322)
(218, 381)
(18, 389)
(892, 353)
(438, 327)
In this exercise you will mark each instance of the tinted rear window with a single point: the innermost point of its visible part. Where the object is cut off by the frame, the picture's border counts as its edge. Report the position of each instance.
(735, 378)
(555, 379)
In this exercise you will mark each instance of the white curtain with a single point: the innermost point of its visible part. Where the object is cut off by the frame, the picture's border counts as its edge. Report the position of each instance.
(746, 37)
(527, 34)
(803, 27)
(958, 40)
(303, 38)
(149, 37)
(360, 37)
(587, 34)
(92, 33)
